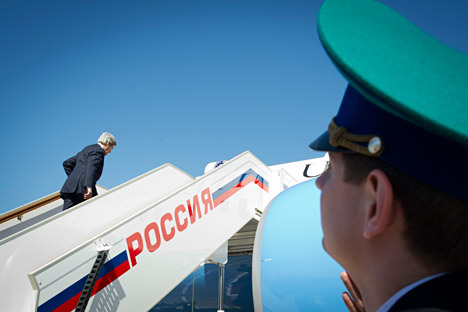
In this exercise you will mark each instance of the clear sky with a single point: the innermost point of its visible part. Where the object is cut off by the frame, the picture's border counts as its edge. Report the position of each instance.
(180, 81)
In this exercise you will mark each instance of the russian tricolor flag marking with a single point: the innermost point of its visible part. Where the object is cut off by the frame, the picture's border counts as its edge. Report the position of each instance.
(68, 298)
(250, 176)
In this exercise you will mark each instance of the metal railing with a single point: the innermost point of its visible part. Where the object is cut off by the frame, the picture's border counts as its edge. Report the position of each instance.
(18, 213)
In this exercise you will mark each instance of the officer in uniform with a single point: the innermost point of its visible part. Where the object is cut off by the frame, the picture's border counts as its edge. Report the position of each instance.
(394, 201)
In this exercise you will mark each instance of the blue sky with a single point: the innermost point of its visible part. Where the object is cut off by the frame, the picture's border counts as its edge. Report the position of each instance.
(185, 82)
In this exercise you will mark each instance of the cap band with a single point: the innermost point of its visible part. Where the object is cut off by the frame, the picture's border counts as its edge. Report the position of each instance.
(339, 136)
(428, 157)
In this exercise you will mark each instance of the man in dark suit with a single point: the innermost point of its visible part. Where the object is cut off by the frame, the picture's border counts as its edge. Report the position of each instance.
(84, 170)
(394, 200)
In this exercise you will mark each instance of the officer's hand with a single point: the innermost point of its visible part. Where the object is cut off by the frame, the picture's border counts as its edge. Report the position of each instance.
(352, 298)
(88, 194)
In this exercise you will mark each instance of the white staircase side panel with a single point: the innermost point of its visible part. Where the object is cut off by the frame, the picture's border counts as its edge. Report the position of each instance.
(35, 216)
(155, 249)
(31, 248)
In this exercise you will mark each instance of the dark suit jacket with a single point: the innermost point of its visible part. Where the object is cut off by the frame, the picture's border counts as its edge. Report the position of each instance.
(445, 293)
(83, 170)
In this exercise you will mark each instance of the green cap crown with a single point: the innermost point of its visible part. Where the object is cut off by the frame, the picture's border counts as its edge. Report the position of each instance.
(397, 66)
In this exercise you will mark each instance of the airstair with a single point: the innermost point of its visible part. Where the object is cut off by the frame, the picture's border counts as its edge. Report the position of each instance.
(129, 247)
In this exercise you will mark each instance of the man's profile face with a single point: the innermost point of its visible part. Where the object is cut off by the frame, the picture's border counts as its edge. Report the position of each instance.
(108, 148)
(340, 211)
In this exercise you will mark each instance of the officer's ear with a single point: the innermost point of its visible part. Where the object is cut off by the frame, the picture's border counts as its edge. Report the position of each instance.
(380, 204)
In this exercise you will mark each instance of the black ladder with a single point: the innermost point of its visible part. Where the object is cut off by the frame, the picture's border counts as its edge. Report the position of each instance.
(91, 281)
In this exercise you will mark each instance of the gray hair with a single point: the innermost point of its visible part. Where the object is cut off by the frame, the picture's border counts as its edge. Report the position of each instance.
(106, 137)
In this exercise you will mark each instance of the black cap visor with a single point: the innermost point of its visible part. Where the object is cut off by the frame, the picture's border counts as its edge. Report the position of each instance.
(322, 143)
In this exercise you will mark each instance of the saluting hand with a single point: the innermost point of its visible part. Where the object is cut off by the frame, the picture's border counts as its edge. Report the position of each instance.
(352, 298)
